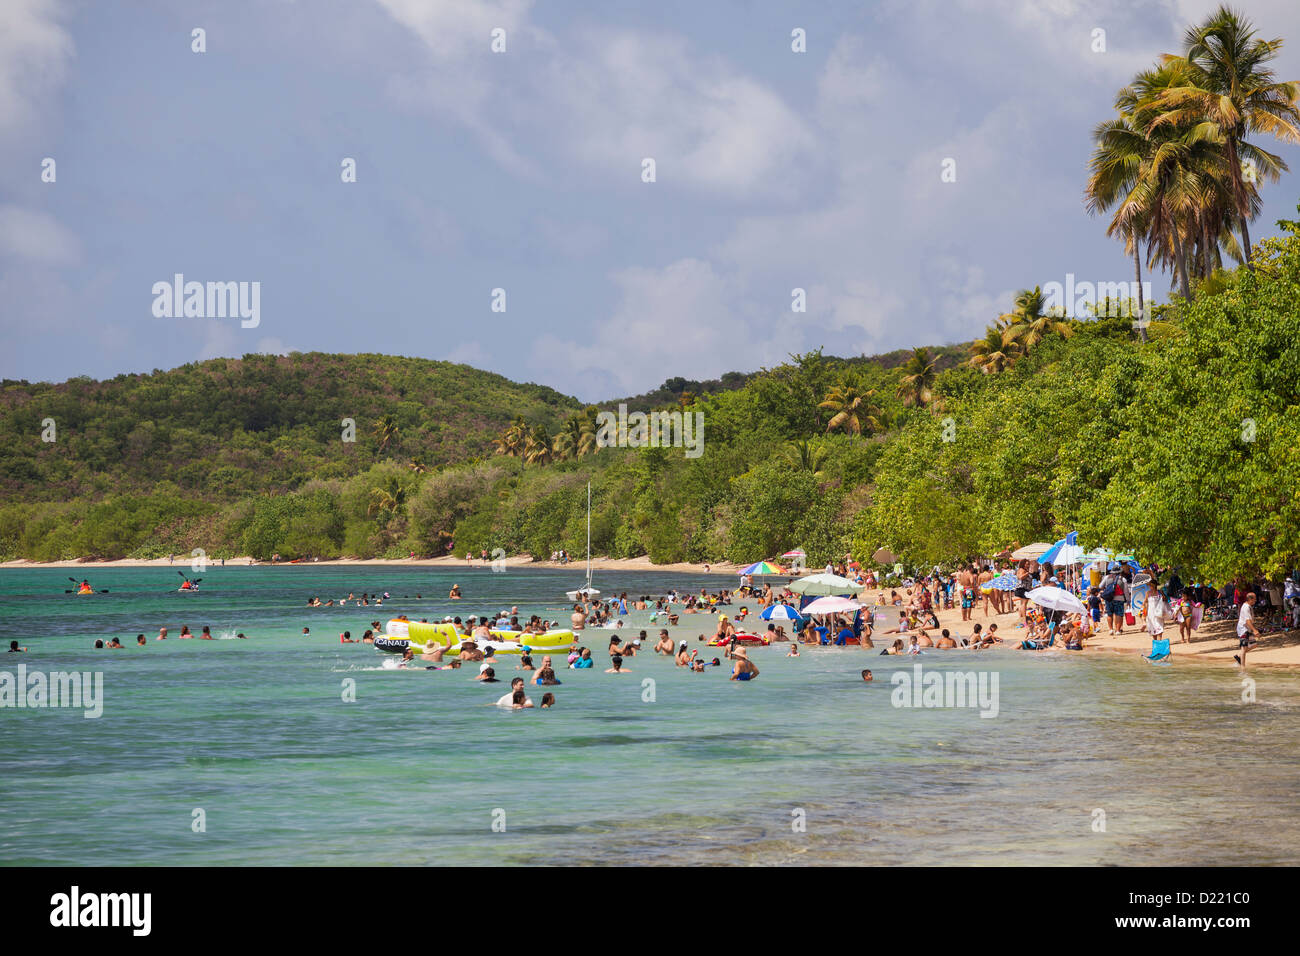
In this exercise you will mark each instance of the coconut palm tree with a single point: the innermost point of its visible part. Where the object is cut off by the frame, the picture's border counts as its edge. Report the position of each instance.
(1121, 153)
(851, 409)
(1029, 323)
(576, 437)
(1229, 86)
(387, 432)
(917, 385)
(511, 440)
(387, 499)
(803, 456)
(537, 446)
(996, 352)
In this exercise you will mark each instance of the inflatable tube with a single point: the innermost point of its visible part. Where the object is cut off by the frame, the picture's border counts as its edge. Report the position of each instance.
(420, 635)
(753, 640)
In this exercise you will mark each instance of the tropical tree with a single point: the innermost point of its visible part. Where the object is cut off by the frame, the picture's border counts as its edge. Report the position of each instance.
(511, 441)
(417, 466)
(804, 456)
(996, 352)
(1029, 323)
(576, 437)
(387, 499)
(387, 432)
(1228, 85)
(851, 409)
(537, 446)
(917, 385)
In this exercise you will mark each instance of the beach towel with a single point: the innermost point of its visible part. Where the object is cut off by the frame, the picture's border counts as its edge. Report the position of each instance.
(1198, 611)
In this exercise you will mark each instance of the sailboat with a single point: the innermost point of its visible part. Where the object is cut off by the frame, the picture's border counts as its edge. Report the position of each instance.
(586, 591)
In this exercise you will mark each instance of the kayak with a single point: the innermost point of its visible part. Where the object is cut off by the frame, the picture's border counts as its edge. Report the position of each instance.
(419, 635)
(185, 590)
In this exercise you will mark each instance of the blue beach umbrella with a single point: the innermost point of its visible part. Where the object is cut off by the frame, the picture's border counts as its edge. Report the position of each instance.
(780, 612)
(1005, 582)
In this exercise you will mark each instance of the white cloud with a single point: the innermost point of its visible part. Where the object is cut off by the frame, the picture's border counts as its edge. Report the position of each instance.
(34, 52)
(35, 236)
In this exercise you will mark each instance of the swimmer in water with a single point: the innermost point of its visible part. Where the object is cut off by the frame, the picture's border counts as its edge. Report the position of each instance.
(866, 676)
(618, 666)
(794, 650)
(745, 669)
(206, 635)
(139, 640)
(548, 701)
(15, 649)
(162, 634)
(346, 638)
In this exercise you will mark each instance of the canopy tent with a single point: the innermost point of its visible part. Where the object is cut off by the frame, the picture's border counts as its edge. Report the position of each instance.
(1031, 551)
(1057, 599)
(825, 584)
(832, 605)
(780, 612)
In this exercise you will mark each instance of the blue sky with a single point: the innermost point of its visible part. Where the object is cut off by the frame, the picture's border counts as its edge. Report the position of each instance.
(522, 171)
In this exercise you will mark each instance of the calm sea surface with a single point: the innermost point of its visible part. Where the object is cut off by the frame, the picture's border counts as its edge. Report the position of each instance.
(804, 765)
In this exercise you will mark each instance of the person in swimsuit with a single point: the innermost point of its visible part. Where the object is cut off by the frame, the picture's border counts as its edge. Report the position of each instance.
(618, 666)
(744, 669)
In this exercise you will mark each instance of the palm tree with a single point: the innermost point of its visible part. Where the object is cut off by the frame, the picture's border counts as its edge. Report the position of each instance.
(387, 431)
(576, 437)
(537, 446)
(387, 499)
(804, 457)
(851, 409)
(511, 441)
(1229, 86)
(1029, 323)
(996, 352)
(917, 385)
(1121, 154)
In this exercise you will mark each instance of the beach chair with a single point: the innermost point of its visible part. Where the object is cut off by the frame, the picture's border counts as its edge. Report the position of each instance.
(1159, 651)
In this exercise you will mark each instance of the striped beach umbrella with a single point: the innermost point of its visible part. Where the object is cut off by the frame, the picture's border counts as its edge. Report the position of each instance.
(780, 612)
(761, 567)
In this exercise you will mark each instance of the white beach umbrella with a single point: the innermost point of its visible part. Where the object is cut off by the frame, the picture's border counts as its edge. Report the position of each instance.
(825, 584)
(832, 605)
(1031, 551)
(1057, 599)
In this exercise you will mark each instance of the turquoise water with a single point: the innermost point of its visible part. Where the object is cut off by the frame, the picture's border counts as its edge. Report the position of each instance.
(257, 735)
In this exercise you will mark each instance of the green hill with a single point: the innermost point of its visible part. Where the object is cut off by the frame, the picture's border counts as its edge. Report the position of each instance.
(226, 428)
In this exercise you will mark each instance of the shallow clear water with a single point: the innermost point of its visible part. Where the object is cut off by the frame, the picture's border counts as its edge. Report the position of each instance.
(256, 733)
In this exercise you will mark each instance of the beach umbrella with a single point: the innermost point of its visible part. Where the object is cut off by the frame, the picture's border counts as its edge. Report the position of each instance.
(1101, 554)
(796, 553)
(761, 567)
(1057, 599)
(884, 556)
(1005, 582)
(831, 605)
(1031, 551)
(780, 612)
(825, 584)
(1066, 551)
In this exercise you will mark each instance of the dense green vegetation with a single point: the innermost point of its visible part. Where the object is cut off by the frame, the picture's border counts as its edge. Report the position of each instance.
(1176, 437)
(1182, 448)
